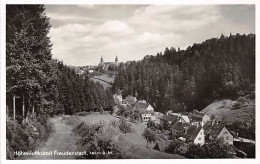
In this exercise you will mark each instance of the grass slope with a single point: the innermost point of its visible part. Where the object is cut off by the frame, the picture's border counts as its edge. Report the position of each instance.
(105, 78)
(133, 144)
(224, 109)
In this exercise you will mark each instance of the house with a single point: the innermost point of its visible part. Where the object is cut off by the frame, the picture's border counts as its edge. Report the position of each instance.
(90, 71)
(144, 107)
(199, 118)
(142, 101)
(179, 129)
(117, 98)
(131, 100)
(183, 118)
(195, 134)
(167, 120)
(157, 116)
(124, 103)
(145, 118)
(215, 131)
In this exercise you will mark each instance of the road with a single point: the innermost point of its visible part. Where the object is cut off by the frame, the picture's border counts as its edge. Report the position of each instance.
(61, 139)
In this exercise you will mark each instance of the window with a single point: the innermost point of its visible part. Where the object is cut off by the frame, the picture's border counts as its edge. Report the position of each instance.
(226, 137)
(199, 138)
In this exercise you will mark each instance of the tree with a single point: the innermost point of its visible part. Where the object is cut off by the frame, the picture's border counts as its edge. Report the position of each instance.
(125, 127)
(28, 58)
(149, 135)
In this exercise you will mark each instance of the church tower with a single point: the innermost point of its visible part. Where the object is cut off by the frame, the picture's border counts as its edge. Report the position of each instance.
(101, 60)
(116, 60)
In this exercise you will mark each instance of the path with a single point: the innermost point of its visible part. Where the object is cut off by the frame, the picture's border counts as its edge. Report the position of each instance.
(61, 140)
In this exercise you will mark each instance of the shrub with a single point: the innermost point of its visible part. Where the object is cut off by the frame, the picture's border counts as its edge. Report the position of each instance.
(125, 127)
(174, 147)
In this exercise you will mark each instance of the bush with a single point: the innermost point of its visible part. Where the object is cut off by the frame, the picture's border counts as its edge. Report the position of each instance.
(96, 140)
(215, 149)
(125, 127)
(25, 136)
(175, 147)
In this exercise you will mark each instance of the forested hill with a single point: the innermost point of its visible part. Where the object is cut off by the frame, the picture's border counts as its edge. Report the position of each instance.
(190, 79)
(35, 82)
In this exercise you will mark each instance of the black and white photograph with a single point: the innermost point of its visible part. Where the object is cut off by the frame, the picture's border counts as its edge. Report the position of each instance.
(130, 81)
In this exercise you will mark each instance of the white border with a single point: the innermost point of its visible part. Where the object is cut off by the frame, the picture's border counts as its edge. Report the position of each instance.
(195, 2)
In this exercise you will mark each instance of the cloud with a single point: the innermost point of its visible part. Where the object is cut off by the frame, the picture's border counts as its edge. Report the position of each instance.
(81, 37)
(89, 6)
(114, 27)
(174, 17)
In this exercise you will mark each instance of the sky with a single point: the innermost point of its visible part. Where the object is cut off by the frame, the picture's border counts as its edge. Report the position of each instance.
(81, 34)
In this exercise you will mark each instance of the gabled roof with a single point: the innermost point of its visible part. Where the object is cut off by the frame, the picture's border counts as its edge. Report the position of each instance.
(178, 127)
(192, 132)
(197, 116)
(169, 117)
(185, 118)
(215, 130)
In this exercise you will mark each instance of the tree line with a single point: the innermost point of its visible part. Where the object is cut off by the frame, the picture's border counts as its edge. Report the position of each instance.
(190, 79)
(35, 82)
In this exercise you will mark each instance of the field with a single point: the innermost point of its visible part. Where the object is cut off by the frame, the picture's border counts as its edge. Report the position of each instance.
(224, 110)
(105, 80)
(134, 144)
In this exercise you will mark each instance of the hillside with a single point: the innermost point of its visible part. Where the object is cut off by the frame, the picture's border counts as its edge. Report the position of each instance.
(224, 110)
(133, 144)
(179, 80)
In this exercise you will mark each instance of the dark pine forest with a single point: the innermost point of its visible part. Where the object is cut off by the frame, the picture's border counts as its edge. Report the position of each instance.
(37, 83)
(183, 80)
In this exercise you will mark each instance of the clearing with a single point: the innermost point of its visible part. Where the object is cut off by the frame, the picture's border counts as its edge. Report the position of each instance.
(104, 80)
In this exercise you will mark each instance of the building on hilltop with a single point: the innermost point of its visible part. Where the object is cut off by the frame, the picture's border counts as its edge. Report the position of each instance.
(107, 65)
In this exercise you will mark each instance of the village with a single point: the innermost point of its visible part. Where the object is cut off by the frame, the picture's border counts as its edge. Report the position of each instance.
(187, 127)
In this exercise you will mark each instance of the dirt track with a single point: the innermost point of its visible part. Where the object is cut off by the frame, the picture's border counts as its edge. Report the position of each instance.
(61, 140)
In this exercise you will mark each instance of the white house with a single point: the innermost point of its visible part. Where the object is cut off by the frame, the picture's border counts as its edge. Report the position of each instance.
(217, 131)
(199, 118)
(146, 117)
(117, 98)
(196, 134)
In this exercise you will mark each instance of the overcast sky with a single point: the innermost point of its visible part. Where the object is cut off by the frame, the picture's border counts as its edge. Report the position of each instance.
(81, 34)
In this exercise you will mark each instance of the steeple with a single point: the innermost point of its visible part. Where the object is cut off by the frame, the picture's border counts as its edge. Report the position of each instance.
(101, 60)
(116, 60)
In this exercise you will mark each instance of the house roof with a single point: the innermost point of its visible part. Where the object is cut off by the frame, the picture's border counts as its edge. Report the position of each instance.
(169, 117)
(185, 118)
(178, 127)
(214, 130)
(196, 118)
(142, 105)
(192, 132)
(197, 113)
